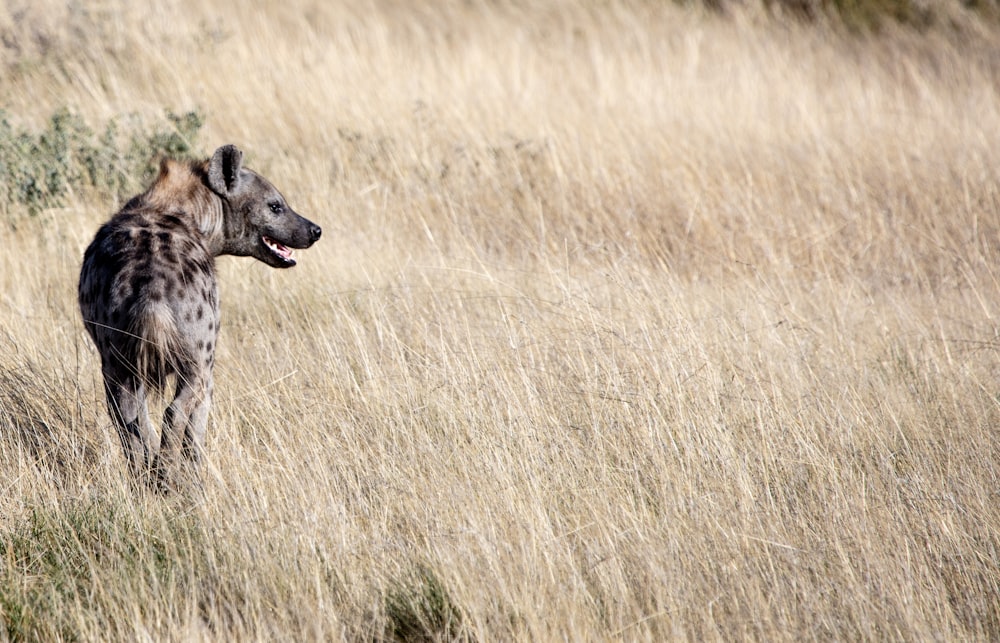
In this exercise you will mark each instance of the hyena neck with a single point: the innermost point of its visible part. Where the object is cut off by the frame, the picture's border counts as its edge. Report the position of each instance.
(224, 231)
(182, 186)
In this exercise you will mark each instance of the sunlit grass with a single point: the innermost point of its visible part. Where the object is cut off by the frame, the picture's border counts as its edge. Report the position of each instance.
(628, 321)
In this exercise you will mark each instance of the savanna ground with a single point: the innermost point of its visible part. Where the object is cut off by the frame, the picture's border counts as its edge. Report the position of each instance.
(629, 321)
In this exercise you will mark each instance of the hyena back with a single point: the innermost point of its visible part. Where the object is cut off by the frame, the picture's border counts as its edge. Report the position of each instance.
(150, 301)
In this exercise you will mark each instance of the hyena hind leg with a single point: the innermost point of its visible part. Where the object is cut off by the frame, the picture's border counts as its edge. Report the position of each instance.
(184, 423)
(130, 414)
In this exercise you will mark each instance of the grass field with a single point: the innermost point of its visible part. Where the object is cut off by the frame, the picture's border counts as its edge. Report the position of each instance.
(629, 321)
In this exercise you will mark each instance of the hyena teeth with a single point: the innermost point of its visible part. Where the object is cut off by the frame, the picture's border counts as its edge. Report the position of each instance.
(282, 251)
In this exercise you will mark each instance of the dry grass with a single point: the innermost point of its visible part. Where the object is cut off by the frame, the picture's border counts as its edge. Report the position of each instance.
(627, 322)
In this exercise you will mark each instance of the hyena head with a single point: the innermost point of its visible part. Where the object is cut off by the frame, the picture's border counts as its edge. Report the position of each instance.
(257, 221)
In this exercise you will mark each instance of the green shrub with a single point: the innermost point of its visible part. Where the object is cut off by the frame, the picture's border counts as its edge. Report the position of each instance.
(40, 169)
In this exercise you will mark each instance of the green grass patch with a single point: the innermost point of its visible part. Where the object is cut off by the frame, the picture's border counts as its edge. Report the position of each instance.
(420, 608)
(59, 559)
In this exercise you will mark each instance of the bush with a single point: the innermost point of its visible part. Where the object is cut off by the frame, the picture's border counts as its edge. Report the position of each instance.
(39, 170)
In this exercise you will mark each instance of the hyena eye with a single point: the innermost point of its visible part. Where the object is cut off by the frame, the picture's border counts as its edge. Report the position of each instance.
(276, 207)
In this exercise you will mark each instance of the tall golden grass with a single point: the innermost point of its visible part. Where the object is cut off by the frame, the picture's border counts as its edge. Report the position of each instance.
(628, 322)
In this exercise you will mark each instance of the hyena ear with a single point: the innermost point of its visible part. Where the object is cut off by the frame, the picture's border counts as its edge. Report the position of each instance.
(224, 170)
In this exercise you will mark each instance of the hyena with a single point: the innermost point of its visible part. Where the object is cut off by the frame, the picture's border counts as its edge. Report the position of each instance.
(149, 297)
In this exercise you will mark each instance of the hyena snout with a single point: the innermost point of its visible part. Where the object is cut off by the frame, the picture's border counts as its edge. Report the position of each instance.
(293, 231)
(314, 232)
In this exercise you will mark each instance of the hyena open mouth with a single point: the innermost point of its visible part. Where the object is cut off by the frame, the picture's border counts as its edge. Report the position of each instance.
(282, 252)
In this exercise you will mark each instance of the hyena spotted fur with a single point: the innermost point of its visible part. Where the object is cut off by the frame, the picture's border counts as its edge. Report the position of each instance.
(150, 301)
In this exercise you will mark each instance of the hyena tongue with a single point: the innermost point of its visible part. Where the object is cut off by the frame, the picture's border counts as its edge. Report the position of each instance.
(282, 251)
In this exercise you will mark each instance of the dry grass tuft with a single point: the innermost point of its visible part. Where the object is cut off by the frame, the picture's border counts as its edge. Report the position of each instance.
(629, 321)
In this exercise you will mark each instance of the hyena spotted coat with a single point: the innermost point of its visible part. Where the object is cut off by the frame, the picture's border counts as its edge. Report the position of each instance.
(149, 297)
